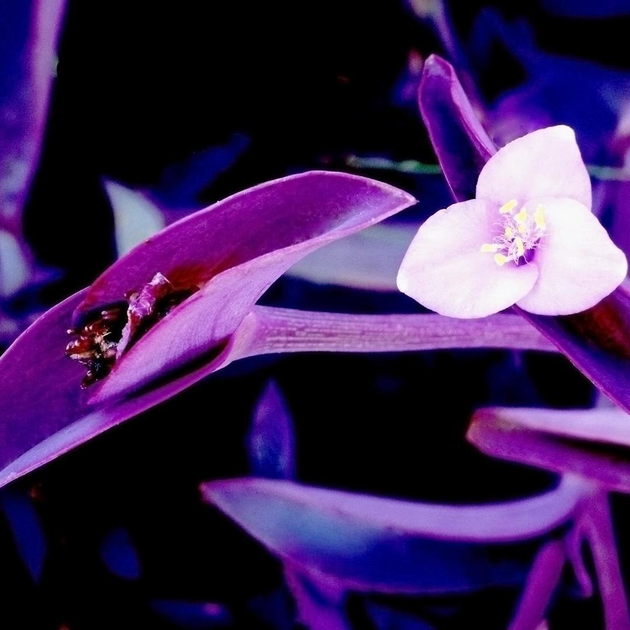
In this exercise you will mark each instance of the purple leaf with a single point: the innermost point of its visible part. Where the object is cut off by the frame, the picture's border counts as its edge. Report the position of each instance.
(560, 441)
(28, 39)
(376, 544)
(45, 413)
(27, 530)
(596, 341)
(120, 555)
(459, 140)
(271, 444)
(235, 249)
(136, 216)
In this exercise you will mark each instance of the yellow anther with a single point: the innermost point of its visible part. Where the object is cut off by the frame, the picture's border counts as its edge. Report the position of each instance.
(520, 248)
(539, 218)
(522, 228)
(489, 248)
(508, 207)
(509, 232)
(521, 217)
(500, 259)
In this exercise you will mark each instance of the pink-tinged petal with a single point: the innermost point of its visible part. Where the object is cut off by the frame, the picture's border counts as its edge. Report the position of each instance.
(236, 249)
(446, 271)
(460, 142)
(546, 439)
(578, 263)
(387, 545)
(544, 163)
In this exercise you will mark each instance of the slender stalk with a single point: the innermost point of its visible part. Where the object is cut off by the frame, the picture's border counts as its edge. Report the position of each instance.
(542, 581)
(598, 530)
(285, 330)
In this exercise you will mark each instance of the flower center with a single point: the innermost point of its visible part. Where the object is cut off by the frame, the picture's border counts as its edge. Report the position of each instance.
(522, 233)
(100, 343)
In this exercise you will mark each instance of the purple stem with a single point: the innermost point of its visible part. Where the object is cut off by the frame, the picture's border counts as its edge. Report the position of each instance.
(542, 581)
(598, 530)
(286, 330)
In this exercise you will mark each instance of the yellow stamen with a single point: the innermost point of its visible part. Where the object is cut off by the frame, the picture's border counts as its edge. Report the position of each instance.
(509, 232)
(489, 248)
(539, 218)
(520, 248)
(500, 259)
(522, 228)
(508, 207)
(521, 217)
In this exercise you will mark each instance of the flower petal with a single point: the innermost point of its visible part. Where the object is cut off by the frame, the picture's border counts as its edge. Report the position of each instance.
(578, 263)
(387, 545)
(460, 142)
(445, 270)
(544, 163)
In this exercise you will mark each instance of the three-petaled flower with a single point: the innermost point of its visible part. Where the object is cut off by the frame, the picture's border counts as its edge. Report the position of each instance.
(528, 238)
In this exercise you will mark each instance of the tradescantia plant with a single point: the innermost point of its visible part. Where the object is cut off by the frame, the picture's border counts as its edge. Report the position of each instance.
(182, 305)
(332, 543)
(336, 539)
